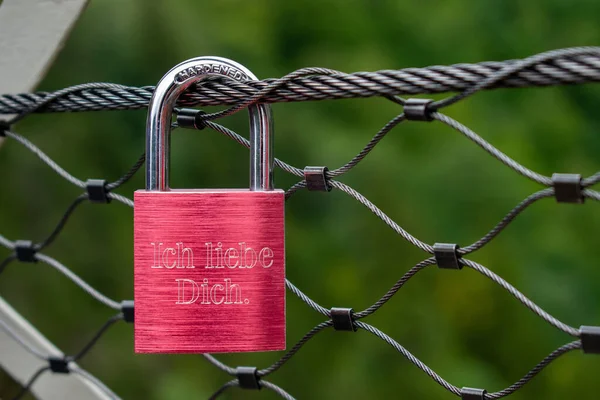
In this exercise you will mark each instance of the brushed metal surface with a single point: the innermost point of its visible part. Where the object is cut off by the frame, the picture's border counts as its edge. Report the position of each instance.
(195, 218)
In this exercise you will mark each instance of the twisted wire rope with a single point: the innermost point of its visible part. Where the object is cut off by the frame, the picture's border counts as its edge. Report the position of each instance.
(535, 370)
(560, 67)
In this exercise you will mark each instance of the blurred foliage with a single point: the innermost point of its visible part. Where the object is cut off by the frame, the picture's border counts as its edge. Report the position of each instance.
(435, 183)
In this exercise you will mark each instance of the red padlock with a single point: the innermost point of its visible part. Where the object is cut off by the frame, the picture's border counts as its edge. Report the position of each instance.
(209, 263)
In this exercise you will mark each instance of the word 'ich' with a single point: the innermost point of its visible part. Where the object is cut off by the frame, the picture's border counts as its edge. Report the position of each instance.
(172, 257)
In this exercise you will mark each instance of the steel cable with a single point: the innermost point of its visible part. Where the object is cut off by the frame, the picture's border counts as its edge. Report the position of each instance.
(560, 67)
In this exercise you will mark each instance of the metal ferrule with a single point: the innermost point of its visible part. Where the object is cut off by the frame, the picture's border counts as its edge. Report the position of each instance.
(160, 110)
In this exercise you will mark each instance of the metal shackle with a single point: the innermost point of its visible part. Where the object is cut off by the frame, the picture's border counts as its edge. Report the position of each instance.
(160, 111)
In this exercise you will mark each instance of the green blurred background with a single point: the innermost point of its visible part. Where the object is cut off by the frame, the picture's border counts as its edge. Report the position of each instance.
(435, 183)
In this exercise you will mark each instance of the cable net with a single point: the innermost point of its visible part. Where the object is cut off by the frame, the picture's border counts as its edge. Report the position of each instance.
(567, 66)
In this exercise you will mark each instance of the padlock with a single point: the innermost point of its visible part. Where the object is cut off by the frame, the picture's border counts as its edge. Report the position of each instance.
(209, 272)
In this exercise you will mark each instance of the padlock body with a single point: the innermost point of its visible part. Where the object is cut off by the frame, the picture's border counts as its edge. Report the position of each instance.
(209, 271)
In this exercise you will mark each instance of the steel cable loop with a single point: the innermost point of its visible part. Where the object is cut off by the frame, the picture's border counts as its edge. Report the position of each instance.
(309, 302)
(521, 297)
(246, 143)
(110, 322)
(506, 160)
(47, 160)
(77, 280)
(397, 286)
(535, 370)
(286, 357)
(58, 169)
(61, 223)
(508, 218)
(407, 354)
(367, 149)
(387, 220)
(125, 178)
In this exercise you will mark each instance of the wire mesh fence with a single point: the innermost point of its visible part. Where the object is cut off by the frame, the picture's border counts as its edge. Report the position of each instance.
(567, 66)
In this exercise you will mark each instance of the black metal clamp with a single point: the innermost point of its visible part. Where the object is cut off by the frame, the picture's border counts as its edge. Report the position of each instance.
(343, 319)
(248, 378)
(191, 118)
(25, 251)
(96, 191)
(590, 339)
(127, 310)
(417, 110)
(316, 179)
(567, 188)
(446, 255)
(468, 393)
(58, 365)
